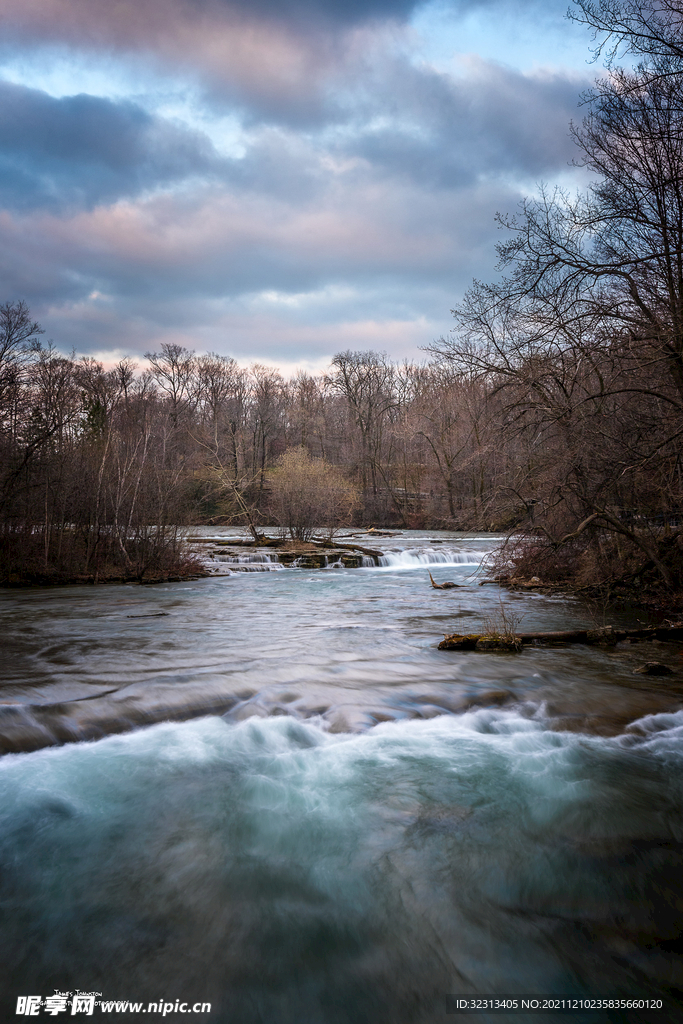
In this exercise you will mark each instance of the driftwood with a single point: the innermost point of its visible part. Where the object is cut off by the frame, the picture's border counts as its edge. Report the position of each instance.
(605, 635)
(442, 586)
(372, 552)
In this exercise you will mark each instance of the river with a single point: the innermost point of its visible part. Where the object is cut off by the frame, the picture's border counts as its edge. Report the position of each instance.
(310, 815)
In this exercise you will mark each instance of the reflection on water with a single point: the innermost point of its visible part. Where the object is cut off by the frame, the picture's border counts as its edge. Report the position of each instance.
(513, 824)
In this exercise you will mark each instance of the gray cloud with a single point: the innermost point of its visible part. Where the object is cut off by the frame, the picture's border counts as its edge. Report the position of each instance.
(366, 195)
(272, 60)
(344, 11)
(171, 252)
(261, 48)
(435, 130)
(82, 150)
(354, 207)
(451, 131)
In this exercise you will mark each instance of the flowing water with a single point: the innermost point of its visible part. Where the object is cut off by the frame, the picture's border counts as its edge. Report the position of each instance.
(342, 824)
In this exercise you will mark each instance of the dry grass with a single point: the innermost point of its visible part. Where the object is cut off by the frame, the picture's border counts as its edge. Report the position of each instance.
(500, 623)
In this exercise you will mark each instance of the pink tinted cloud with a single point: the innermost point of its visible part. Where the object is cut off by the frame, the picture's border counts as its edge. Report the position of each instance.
(248, 335)
(256, 59)
(168, 233)
(251, 276)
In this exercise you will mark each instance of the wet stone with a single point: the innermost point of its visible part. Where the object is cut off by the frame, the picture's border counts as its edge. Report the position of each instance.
(654, 668)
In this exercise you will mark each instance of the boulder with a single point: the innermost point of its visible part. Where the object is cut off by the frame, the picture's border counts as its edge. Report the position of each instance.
(654, 668)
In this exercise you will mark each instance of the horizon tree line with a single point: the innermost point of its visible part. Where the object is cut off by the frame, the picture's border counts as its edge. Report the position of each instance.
(101, 468)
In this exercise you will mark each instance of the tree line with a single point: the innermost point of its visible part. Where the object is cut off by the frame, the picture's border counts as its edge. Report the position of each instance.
(100, 468)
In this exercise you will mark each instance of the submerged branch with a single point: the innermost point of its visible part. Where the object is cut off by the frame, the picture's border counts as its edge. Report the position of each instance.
(604, 635)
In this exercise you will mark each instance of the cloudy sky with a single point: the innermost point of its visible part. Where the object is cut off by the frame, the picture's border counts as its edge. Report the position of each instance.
(275, 180)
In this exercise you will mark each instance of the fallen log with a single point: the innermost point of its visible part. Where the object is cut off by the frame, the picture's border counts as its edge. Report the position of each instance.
(606, 635)
(372, 552)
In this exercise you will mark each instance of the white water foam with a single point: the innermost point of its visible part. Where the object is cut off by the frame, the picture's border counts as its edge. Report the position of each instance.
(259, 561)
(246, 559)
(281, 872)
(411, 558)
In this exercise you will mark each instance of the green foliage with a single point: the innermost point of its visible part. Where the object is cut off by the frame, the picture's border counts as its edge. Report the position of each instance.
(94, 424)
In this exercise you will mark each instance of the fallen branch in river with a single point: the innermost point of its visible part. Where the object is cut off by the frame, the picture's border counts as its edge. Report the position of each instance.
(442, 586)
(372, 552)
(604, 635)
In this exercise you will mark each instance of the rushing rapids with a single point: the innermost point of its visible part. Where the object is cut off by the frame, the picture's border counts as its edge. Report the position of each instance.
(360, 824)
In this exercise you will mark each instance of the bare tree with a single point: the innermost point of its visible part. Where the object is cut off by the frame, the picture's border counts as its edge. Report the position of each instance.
(18, 332)
(214, 381)
(172, 369)
(367, 382)
(584, 337)
(267, 387)
(19, 340)
(651, 30)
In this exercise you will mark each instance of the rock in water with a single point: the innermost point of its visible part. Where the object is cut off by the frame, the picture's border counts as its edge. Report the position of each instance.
(654, 668)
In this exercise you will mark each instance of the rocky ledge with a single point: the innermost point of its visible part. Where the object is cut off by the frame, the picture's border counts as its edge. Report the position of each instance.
(251, 556)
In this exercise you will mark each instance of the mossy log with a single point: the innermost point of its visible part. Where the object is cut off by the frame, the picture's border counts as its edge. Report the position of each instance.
(605, 635)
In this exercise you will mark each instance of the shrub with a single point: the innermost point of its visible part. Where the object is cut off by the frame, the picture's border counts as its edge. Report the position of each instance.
(309, 494)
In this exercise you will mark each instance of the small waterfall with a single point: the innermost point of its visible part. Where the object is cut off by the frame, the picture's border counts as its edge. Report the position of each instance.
(256, 567)
(413, 557)
(257, 556)
(257, 561)
(366, 562)
(249, 563)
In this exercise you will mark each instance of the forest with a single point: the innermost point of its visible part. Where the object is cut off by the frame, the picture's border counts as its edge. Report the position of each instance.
(553, 411)
(101, 467)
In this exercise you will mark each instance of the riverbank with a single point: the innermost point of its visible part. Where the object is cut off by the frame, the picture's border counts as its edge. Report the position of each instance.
(113, 576)
(158, 558)
(657, 602)
(598, 569)
(205, 556)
